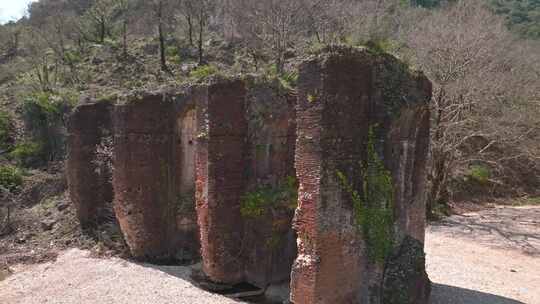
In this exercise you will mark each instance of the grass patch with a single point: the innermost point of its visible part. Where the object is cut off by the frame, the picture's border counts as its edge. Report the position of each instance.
(203, 72)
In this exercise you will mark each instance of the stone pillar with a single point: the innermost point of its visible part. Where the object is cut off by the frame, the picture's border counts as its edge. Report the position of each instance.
(361, 124)
(144, 177)
(89, 181)
(220, 183)
(269, 202)
(186, 238)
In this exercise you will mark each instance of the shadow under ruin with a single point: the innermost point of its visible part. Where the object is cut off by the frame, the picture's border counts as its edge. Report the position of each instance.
(321, 188)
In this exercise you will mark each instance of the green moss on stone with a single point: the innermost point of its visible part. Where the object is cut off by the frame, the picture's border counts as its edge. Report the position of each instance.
(262, 199)
(373, 205)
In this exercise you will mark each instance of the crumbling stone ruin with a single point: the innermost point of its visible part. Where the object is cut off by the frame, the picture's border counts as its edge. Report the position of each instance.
(323, 186)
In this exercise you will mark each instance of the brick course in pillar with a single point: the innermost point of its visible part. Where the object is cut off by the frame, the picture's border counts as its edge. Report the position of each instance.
(342, 94)
(220, 183)
(89, 183)
(269, 239)
(245, 146)
(144, 179)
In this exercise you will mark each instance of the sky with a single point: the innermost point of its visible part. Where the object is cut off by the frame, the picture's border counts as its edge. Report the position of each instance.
(12, 9)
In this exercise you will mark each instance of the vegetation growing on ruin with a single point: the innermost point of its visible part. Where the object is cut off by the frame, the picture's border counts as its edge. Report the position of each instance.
(11, 178)
(484, 108)
(391, 81)
(373, 204)
(264, 198)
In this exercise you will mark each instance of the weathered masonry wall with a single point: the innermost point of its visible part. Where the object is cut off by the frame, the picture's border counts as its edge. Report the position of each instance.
(363, 129)
(246, 189)
(323, 186)
(222, 130)
(154, 175)
(89, 177)
(144, 174)
(270, 197)
(186, 236)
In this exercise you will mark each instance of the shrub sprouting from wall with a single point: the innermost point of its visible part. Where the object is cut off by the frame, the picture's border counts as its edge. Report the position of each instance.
(373, 204)
(263, 199)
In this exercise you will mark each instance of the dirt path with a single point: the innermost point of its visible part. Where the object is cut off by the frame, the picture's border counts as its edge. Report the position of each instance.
(490, 257)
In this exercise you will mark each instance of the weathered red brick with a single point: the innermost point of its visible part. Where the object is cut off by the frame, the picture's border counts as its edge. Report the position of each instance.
(144, 175)
(220, 161)
(342, 94)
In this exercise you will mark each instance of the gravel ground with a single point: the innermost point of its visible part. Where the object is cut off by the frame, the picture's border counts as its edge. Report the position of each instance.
(76, 278)
(489, 257)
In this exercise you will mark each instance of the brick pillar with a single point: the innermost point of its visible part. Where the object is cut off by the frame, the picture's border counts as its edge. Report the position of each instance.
(144, 178)
(343, 93)
(270, 241)
(220, 165)
(89, 182)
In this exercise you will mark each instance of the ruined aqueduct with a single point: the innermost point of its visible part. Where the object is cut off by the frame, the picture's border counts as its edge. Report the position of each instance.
(324, 187)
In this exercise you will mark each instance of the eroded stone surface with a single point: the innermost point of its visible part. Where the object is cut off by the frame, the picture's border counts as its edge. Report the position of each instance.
(186, 238)
(89, 179)
(269, 238)
(343, 94)
(220, 161)
(246, 188)
(405, 278)
(144, 199)
(214, 168)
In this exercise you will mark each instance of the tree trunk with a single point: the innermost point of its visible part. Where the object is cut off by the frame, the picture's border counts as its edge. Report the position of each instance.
(201, 30)
(124, 38)
(440, 160)
(102, 31)
(163, 59)
(190, 29)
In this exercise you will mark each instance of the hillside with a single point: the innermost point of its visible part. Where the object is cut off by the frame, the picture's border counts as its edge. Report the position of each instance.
(485, 141)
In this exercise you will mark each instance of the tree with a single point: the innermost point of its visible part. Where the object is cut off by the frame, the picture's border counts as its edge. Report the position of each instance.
(160, 11)
(124, 8)
(10, 33)
(198, 12)
(271, 26)
(97, 22)
(188, 11)
(470, 57)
